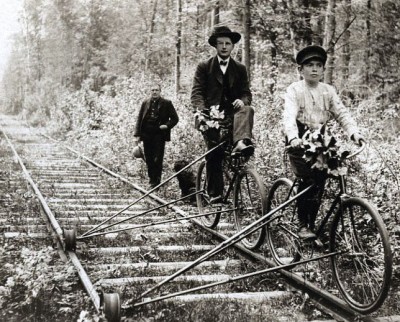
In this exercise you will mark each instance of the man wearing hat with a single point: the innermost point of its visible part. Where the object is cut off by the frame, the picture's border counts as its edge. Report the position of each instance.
(157, 116)
(309, 104)
(222, 81)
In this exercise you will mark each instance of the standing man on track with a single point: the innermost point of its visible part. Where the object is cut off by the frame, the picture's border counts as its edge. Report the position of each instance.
(157, 116)
(223, 82)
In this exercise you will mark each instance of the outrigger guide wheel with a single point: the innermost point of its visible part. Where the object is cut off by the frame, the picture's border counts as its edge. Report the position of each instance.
(70, 239)
(112, 307)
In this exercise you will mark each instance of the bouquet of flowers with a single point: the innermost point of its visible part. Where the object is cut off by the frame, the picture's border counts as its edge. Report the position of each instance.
(214, 125)
(211, 120)
(322, 152)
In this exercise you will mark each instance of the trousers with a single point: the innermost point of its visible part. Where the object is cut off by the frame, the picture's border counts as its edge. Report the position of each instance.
(243, 121)
(154, 147)
(307, 204)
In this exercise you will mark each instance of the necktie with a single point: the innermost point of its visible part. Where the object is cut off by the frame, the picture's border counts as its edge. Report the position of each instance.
(223, 63)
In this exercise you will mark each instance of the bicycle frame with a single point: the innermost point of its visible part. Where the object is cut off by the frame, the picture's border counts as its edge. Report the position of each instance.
(340, 196)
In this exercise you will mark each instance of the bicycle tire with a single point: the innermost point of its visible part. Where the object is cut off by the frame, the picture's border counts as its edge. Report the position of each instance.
(203, 200)
(249, 194)
(363, 271)
(282, 239)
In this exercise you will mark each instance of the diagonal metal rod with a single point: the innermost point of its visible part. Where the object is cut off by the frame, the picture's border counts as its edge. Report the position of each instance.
(236, 278)
(155, 188)
(138, 215)
(226, 243)
(154, 223)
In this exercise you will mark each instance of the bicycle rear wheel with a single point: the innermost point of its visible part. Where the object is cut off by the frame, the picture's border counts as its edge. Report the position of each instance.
(250, 205)
(203, 199)
(282, 238)
(363, 271)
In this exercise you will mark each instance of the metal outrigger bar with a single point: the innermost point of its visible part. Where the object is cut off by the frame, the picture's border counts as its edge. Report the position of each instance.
(155, 223)
(236, 278)
(137, 215)
(95, 229)
(227, 243)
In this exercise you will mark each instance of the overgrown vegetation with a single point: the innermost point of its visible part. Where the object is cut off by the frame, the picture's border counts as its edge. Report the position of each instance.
(81, 68)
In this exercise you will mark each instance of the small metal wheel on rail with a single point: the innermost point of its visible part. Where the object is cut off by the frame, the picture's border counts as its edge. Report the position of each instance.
(111, 306)
(70, 239)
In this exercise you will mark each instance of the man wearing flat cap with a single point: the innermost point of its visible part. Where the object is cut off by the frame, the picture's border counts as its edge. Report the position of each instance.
(223, 82)
(309, 104)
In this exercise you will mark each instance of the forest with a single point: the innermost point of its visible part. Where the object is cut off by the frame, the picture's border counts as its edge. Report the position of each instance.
(81, 68)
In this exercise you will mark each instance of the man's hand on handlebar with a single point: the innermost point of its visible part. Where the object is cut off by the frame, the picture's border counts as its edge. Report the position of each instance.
(296, 143)
(237, 104)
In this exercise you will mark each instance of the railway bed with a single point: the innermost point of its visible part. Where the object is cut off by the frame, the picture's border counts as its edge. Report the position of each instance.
(74, 193)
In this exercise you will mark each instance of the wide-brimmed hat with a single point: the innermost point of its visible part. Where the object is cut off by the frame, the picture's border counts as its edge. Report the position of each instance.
(223, 31)
(138, 152)
(310, 52)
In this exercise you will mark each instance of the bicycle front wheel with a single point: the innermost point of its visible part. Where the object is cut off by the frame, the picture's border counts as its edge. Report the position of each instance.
(282, 236)
(363, 269)
(203, 200)
(250, 205)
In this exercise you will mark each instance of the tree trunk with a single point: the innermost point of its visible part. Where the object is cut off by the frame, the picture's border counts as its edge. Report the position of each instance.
(368, 43)
(246, 36)
(330, 26)
(151, 32)
(215, 15)
(346, 44)
(178, 48)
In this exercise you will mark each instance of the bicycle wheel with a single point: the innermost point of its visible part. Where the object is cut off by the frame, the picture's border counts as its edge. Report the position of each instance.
(282, 238)
(250, 205)
(203, 200)
(363, 271)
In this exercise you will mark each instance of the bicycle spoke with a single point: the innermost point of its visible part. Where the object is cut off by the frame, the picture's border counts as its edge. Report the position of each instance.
(250, 199)
(363, 270)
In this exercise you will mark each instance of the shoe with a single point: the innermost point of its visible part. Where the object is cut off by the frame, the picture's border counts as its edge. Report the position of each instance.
(306, 233)
(153, 185)
(244, 147)
(215, 200)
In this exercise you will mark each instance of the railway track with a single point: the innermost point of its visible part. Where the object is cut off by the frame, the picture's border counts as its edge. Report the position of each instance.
(149, 242)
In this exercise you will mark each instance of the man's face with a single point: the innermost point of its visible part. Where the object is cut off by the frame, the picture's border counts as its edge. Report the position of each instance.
(155, 91)
(224, 47)
(312, 71)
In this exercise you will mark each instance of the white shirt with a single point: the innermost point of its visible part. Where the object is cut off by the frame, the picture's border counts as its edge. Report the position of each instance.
(313, 106)
(223, 67)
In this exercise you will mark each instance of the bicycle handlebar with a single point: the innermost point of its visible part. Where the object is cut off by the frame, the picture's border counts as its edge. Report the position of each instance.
(362, 147)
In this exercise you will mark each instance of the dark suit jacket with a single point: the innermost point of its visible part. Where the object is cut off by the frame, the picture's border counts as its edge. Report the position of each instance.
(207, 83)
(167, 116)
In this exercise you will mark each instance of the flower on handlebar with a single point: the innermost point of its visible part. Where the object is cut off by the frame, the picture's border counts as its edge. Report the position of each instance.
(210, 120)
(321, 151)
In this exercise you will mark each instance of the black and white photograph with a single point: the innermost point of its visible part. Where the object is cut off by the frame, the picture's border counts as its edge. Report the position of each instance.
(199, 160)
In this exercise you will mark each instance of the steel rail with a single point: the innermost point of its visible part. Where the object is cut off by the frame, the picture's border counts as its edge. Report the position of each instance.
(336, 306)
(59, 232)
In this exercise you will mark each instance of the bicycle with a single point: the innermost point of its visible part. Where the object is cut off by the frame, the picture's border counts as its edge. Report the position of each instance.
(244, 195)
(362, 265)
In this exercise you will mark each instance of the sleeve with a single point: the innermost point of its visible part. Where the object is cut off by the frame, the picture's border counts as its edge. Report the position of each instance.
(246, 96)
(139, 121)
(198, 95)
(290, 112)
(173, 116)
(342, 114)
